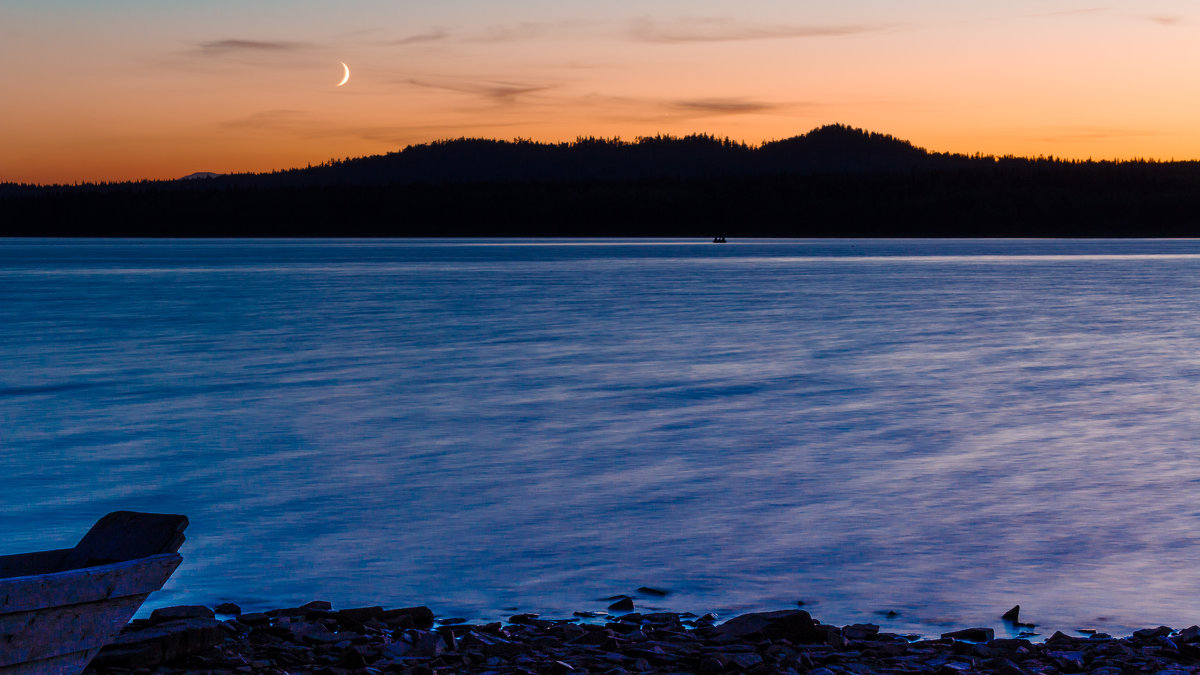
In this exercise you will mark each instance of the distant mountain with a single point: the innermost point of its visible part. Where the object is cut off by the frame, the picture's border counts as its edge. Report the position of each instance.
(200, 175)
(828, 149)
(832, 181)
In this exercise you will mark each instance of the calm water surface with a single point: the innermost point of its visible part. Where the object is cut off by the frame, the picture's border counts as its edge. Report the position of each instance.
(943, 429)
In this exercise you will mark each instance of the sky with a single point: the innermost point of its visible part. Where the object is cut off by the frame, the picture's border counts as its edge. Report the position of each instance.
(130, 89)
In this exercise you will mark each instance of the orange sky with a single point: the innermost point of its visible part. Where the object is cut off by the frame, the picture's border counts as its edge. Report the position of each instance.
(131, 89)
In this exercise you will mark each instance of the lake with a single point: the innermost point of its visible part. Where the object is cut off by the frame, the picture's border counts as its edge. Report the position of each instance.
(942, 429)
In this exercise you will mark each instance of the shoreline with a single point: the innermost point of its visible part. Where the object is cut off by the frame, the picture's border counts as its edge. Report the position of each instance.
(316, 639)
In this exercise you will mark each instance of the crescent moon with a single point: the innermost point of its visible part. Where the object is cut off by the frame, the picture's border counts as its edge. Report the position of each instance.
(346, 77)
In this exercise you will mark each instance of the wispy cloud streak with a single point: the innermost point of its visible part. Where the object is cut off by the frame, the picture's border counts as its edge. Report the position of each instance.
(724, 29)
(436, 35)
(498, 92)
(1166, 19)
(221, 47)
(280, 119)
(723, 106)
(1070, 12)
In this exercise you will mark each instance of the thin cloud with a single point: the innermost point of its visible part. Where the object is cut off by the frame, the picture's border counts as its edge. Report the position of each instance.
(222, 47)
(526, 30)
(1166, 20)
(724, 29)
(279, 119)
(437, 35)
(498, 92)
(723, 106)
(1069, 12)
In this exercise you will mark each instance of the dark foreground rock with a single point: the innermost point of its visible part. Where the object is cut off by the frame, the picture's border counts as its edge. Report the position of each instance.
(317, 640)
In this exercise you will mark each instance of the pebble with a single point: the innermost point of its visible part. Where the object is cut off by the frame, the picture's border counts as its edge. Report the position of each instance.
(316, 640)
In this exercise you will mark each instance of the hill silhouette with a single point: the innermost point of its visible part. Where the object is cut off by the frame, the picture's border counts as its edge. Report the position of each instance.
(833, 181)
(828, 149)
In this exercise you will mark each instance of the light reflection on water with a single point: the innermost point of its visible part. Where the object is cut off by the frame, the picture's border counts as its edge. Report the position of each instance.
(943, 429)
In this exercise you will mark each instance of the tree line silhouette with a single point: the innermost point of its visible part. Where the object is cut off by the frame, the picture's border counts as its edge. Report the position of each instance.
(833, 181)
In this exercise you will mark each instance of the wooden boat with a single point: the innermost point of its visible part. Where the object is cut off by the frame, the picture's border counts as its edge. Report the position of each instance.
(58, 608)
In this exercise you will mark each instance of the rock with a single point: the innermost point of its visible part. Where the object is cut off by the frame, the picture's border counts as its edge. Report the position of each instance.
(661, 619)
(1151, 633)
(1068, 662)
(860, 631)
(359, 614)
(1013, 615)
(160, 643)
(319, 605)
(625, 604)
(163, 614)
(429, 645)
(794, 625)
(972, 634)
(396, 650)
(1002, 666)
(324, 642)
(228, 608)
(1189, 634)
(743, 661)
(254, 619)
(1060, 637)
(418, 617)
(646, 590)
(1008, 644)
(352, 659)
(594, 638)
(315, 633)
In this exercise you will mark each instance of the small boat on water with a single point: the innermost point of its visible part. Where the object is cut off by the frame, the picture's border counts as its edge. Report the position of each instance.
(58, 608)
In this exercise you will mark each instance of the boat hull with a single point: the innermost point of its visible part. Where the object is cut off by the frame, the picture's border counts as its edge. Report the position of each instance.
(54, 624)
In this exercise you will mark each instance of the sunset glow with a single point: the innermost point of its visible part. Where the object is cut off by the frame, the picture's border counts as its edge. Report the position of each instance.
(131, 89)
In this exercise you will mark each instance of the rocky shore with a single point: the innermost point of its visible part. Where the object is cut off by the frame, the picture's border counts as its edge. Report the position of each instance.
(316, 639)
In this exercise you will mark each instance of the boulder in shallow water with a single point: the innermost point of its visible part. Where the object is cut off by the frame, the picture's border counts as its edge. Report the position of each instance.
(1151, 633)
(1013, 615)
(972, 634)
(408, 617)
(794, 625)
(622, 605)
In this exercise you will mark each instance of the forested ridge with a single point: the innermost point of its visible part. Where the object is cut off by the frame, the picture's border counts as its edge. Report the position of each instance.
(833, 181)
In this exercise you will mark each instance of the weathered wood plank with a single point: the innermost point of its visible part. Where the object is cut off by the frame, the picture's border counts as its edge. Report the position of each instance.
(55, 665)
(90, 584)
(127, 535)
(24, 564)
(35, 635)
